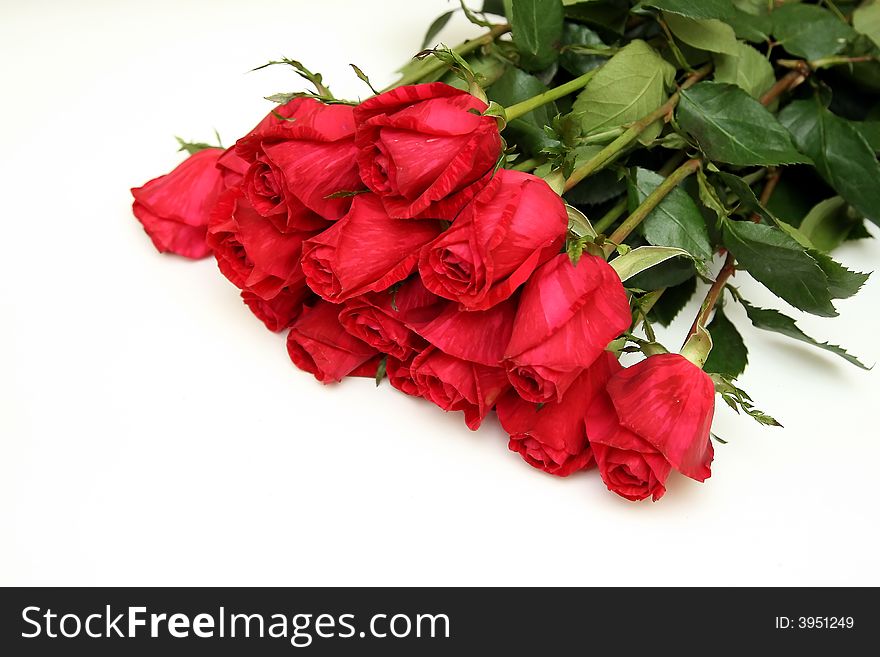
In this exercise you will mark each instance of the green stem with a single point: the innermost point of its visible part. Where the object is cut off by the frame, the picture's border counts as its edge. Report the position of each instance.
(610, 153)
(827, 62)
(600, 137)
(527, 165)
(607, 220)
(652, 201)
(433, 65)
(529, 104)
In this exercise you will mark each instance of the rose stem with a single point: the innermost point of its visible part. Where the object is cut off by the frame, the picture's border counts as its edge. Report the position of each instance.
(653, 199)
(526, 165)
(612, 150)
(786, 83)
(729, 266)
(434, 65)
(526, 106)
(606, 220)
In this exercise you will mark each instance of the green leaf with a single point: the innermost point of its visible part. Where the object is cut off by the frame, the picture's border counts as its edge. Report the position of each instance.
(674, 299)
(842, 282)
(609, 15)
(192, 147)
(380, 370)
(537, 31)
(746, 68)
(493, 7)
(580, 35)
(870, 130)
(642, 258)
(363, 77)
(694, 9)
(784, 267)
(738, 399)
(746, 195)
(730, 126)
(866, 20)
(810, 31)
(829, 223)
(578, 223)
(702, 33)
(841, 155)
(472, 17)
(435, 27)
(629, 86)
(754, 27)
(676, 221)
(729, 355)
(769, 319)
(709, 196)
(528, 130)
(667, 274)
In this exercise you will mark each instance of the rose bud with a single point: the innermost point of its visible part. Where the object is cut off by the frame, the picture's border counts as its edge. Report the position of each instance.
(400, 377)
(669, 402)
(380, 318)
(552, 437)
(318, 344)
(425, 148)
(174, 208)
(567, 316)
(258, 258)
(516, 223)
(630, 466)
(298, 165)
(365, 251)
(281, 311)
(458, 385)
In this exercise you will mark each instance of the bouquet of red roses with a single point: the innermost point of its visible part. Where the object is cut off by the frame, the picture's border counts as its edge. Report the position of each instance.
(496, 229)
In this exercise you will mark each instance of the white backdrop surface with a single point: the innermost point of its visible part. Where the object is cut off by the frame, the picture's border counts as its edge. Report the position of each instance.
(153, 432)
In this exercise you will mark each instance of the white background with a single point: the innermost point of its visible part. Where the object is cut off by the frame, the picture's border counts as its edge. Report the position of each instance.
(153, 432)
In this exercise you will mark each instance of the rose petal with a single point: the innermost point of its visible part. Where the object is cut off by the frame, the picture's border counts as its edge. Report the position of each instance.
(386, 251)
(668, 401)
(318, 344)
(566, 317)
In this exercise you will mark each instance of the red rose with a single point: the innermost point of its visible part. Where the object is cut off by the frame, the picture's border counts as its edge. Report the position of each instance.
(400, 377)
(233, 163)
(380, 318)
(258, 258)
(516, 223)
(630, 466)
(552, 437)
(669, 402)
(365, 251)
(295, 166)
(318, 344)
(461, 370)
(423, 148)
(279, 312)
(458, 385)
(174, 208)
(567, 316)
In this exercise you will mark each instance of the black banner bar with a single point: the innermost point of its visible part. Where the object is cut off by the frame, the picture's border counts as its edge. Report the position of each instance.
(430, 621)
